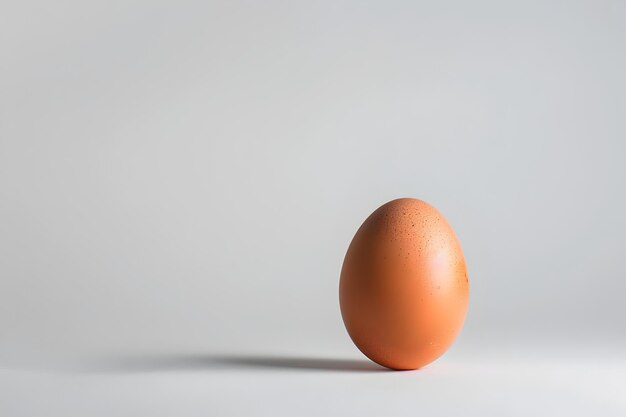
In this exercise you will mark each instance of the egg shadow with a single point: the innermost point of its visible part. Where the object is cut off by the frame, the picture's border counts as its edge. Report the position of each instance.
(217, 362)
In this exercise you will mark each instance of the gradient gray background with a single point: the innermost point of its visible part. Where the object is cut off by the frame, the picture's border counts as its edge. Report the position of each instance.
(179, 182)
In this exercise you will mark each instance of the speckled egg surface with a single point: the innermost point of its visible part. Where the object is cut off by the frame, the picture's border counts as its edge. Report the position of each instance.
(404, 288)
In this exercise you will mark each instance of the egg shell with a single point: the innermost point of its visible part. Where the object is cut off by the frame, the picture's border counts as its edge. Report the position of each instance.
(404, 287)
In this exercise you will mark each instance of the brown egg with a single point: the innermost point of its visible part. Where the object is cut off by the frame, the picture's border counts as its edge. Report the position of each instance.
(404, 289)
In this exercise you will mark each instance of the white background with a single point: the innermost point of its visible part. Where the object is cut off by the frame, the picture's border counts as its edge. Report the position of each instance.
(179, 182)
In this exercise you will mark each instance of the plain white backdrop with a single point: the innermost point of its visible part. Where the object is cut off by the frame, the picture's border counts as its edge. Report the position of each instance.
(179, 182)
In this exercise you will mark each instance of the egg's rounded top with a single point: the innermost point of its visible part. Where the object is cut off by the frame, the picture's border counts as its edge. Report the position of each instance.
(404, 288)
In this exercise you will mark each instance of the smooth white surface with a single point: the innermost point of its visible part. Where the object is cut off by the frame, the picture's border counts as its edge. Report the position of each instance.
(518, 381)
